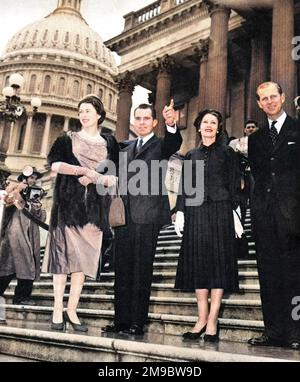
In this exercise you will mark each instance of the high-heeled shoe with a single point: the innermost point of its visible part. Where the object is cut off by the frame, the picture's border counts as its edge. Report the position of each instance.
(76, 327)
(194, 335)
(58, 326)
(213, 337)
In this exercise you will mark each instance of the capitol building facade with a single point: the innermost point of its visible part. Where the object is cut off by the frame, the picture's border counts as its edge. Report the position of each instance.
(61, 59)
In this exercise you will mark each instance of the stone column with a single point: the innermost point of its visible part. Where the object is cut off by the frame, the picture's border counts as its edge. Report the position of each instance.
(27, 138)
(216, 79)
(164, 67)
(6, 139)
(282, 65)
(45, 142)
(14, 126)
(66, 124)
(259, 70)
(125, 83)
(201, 49)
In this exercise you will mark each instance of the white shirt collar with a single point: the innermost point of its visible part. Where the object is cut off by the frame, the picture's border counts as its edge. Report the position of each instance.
(146, 138)
(280, 121)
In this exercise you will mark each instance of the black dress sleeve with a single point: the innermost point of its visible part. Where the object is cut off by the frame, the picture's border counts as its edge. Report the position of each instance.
(181, 197)
(234, 177)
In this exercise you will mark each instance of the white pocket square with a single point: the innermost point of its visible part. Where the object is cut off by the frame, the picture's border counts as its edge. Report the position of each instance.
(291, 143)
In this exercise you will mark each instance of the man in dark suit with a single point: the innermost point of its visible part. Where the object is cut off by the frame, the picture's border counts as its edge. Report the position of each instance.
(274, 154)
(146, 214)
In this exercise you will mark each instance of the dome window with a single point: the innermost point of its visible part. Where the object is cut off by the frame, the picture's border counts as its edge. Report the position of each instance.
(47, 83)
(110, 101)
(77, 40)
(87, 43)
(34, 36)
(100, 93)
(21, 137)
(7, 81)
(89, 89)
(45, 35)
(75, 92)
(56, 35)
(67, 37)
(32, 84)
(25, 38)
(38, 132)
(61, 86)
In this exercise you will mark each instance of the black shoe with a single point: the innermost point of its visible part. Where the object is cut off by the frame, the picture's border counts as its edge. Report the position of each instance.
(115, 328)
(76, 327)
(194, 335)
(135, 330)
(24, 302)
(295, 345)
(213, 337)
(58, 326)
(265, 341)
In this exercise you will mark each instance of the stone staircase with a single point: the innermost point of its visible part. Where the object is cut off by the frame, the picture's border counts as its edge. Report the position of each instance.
(27, 331)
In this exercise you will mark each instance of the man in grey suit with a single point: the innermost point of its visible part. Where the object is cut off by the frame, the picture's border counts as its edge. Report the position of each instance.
(146, 214)
(274, 155)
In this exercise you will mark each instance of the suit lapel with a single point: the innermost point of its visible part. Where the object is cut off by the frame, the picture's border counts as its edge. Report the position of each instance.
(130, 150)
(147, 145)
(266, 139)
(283, 134)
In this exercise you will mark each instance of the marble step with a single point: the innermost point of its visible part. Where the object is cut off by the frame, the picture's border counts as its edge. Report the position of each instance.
(245, 277)
(247, 291)
(232, 329)
(230, 308)
(36, 342)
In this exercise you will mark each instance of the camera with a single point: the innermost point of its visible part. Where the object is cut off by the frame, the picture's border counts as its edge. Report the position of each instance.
(32, 194)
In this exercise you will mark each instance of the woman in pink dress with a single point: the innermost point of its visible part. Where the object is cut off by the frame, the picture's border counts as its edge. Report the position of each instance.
(79, 213)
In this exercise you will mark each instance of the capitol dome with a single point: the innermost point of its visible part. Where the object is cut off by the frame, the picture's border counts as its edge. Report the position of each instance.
(61, 60)
(64, 31)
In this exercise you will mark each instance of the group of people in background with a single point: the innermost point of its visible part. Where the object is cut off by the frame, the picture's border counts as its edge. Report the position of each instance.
(263, 166)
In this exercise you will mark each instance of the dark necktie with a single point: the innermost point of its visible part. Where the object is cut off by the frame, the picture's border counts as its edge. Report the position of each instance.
(273, 132)
(139, 146)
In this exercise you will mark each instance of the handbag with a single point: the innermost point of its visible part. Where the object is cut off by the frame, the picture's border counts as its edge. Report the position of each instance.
(116, 216)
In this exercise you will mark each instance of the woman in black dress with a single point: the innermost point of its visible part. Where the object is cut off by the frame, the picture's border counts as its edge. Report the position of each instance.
(207, 261)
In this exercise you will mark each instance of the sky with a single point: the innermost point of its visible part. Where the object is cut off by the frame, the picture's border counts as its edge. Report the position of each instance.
(104, 16)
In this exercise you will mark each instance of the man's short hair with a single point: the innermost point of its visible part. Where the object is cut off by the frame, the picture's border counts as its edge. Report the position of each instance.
(252, 121)
(146, 106)
(266, 84)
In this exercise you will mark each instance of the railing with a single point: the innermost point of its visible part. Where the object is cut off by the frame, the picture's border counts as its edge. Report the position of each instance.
(149, 12)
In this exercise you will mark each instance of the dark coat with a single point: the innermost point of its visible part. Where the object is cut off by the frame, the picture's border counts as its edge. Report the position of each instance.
(74, 204)
(221, 174)
(276, 170)
(20, 244)
(150, 208)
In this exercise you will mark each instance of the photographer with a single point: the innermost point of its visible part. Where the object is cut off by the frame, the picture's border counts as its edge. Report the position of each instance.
(20, 236)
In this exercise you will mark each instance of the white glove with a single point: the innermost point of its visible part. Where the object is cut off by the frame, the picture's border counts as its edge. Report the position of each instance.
(238, 211)
(179, 223)
(238, 227)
